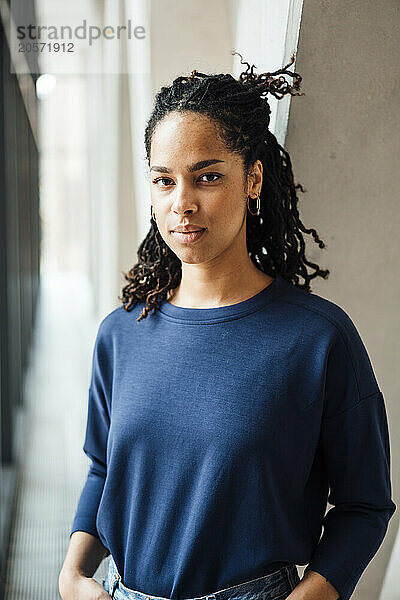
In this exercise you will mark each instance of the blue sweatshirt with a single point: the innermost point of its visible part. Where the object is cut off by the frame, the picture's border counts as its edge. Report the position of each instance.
(217, 436)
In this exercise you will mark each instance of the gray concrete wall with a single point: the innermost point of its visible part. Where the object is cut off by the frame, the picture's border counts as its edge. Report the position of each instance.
(343, 138)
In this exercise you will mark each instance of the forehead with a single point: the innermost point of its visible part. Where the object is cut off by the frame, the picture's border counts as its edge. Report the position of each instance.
(180, 136)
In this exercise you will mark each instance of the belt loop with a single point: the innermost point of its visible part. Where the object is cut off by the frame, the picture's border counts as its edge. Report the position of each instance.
(115, 584)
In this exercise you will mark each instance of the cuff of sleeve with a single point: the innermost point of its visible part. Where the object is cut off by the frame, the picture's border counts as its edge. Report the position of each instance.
(342, 581)
(82, 524)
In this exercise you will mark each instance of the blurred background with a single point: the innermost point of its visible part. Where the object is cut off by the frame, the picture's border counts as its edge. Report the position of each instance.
(75, 205)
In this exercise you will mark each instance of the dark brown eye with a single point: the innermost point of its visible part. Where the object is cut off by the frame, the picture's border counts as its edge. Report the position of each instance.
(161, 179)
(217, 175)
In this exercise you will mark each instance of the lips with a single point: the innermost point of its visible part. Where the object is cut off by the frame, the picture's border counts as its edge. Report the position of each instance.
(188, 237)
(187, 229)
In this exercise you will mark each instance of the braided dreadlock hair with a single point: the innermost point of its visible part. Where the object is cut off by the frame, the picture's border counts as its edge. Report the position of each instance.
(274, 237)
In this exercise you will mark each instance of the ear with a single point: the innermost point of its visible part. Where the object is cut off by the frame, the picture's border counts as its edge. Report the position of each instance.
(255, 179)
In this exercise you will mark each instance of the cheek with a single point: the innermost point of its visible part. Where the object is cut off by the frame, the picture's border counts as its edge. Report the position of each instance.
(234, 195)
(231, 209)
(225, 213)
(161, 211)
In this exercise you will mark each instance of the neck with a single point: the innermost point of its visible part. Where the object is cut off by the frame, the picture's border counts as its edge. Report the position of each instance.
(221, 289)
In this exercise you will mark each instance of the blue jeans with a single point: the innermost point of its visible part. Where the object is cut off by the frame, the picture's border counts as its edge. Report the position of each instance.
(274, 586)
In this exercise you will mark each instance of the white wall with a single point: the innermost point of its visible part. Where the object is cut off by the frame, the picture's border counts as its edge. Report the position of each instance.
(266, 35)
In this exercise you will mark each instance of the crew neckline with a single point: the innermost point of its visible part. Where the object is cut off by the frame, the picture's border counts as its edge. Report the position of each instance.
(218, 313)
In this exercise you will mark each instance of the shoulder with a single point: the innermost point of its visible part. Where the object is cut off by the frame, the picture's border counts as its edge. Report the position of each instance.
(318, 311)
(118, 321)
(325, 319)
(112, 320)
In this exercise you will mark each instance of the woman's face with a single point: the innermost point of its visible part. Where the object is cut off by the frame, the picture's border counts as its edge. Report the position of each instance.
(184, 191)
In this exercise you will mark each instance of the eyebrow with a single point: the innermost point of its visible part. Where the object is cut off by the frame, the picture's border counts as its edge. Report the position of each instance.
(201, 164)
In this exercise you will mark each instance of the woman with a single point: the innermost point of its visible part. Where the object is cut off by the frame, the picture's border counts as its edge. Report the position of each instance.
(227, 402)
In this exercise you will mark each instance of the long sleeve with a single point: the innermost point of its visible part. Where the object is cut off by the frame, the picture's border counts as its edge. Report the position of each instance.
(355, 448)
(97, 428)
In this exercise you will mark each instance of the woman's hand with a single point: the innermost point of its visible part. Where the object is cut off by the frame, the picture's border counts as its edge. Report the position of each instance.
(84, 555)
(80, 587)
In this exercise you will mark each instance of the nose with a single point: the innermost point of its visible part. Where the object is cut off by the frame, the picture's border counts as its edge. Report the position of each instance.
(184, 202)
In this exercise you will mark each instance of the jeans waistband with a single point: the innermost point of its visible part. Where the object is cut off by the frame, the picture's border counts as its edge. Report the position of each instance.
(285, 574)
